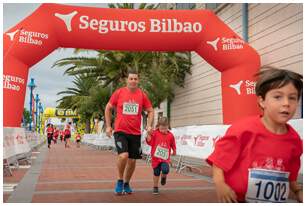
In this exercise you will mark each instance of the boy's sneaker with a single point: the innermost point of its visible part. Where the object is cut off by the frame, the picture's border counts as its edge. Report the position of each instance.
(155, 191)
(163, 180)
(127, 189)
(119, 187)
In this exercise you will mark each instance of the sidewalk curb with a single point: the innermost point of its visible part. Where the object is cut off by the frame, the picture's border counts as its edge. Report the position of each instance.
(26, 188)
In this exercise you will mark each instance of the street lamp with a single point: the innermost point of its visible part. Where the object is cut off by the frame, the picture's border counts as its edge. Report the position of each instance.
(36, 110)
(41, 110)
(31, 85)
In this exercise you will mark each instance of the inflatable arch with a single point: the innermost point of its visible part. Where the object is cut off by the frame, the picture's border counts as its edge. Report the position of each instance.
(54, 25)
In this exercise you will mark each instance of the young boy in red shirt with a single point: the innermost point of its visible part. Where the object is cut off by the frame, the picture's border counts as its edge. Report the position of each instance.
(258, 159)
(78, 139)
(161, 141)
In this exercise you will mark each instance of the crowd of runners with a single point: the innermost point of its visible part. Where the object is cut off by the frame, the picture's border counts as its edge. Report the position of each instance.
(54, 133)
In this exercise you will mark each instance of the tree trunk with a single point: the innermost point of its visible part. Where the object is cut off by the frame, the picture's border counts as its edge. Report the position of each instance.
(87, 126)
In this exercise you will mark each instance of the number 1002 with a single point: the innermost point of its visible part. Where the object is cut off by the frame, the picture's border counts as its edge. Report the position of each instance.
(270, 189)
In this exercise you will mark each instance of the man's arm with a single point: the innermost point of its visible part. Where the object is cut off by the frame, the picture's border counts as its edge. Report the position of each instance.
(108, 119)
(150, 118)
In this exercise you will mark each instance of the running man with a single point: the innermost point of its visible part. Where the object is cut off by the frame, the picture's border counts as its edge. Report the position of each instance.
(129, 102)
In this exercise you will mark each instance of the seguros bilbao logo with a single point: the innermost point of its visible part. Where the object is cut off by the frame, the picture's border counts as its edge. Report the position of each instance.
(12, 82)
(248, 85)
(226, 43)
(28, 37)
(104, 26)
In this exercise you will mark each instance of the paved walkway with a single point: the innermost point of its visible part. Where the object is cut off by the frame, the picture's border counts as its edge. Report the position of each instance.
(88, 175)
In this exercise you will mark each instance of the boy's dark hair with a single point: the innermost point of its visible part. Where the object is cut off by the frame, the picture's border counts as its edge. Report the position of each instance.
(271, 78)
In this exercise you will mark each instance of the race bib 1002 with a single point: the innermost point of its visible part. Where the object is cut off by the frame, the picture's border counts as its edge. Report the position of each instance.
(267, 186)
(130, 108)
(161, 152)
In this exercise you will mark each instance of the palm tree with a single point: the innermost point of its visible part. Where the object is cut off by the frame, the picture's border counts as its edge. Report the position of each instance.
(132, 6)
(87, 97)
(110, 68)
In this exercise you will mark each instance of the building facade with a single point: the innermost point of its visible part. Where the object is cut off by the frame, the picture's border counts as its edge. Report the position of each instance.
(274, 30)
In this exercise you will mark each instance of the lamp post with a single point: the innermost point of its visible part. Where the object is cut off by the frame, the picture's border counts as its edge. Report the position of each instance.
(36, 111)
(31, 85)
(40, 113)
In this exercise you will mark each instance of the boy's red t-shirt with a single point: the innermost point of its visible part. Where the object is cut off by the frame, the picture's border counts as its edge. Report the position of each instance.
(163, 140)
(129, 106)
(248, 144)
(50, 130)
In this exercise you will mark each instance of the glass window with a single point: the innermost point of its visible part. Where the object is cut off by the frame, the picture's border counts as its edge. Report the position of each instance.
(185, 6)
(212, 6)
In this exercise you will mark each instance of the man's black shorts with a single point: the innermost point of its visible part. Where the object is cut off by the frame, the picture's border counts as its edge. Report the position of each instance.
(128, 143)
(67, 136)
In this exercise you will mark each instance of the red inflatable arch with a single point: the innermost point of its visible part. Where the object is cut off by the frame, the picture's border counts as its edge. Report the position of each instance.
(55, 25)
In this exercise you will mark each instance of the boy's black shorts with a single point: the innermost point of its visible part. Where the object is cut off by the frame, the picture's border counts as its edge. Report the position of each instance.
(128, 143)
(161, 167)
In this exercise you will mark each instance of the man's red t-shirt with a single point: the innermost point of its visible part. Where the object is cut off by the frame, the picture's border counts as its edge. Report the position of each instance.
(129, 106)
(248, 144)
(67, 131)
(166, 141)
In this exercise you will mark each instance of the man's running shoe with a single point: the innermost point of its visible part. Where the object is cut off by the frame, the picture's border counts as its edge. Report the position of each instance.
(127, 189)
(155, 191)
(119, 187)
(163, 180)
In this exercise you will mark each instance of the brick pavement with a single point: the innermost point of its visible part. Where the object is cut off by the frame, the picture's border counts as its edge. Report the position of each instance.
(88, 175)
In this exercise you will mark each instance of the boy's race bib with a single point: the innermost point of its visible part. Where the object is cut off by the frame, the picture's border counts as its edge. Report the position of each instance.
(130, 108)
(267, 186)
(161, 152)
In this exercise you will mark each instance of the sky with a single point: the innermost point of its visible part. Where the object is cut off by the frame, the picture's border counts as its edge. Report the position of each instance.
(49, 80)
